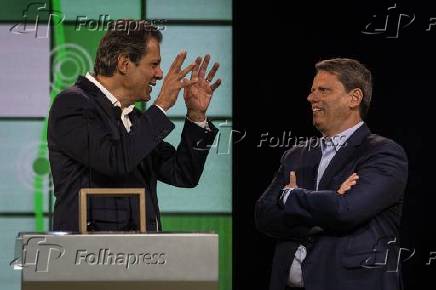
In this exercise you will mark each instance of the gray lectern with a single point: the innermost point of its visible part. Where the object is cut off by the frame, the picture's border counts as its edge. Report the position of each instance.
(126, 261)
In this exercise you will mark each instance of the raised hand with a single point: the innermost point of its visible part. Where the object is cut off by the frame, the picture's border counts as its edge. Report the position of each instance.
(174, 81)
(347, 184)
(198, 95)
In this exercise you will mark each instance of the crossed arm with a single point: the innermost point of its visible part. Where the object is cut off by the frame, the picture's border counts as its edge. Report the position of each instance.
(378, 184)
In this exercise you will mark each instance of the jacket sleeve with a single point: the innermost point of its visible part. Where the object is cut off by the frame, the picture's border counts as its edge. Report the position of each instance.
(381, 184)
(270, 215)
(183, 166)
(77, 129)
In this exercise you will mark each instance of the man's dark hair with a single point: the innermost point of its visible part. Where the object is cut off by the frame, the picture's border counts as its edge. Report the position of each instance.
(127, 37)
(352, 74)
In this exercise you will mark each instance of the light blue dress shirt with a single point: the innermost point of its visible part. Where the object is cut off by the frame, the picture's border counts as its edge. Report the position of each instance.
(329, 147)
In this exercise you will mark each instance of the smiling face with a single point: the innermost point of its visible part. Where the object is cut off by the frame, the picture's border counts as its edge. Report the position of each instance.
(334, 109)
(139, 78)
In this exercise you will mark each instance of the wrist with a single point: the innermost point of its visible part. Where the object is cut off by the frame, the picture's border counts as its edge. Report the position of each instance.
(163, 105)
(196, 116)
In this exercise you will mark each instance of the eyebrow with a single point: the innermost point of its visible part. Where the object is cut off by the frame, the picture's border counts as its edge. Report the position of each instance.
(320, 88)
(155, 60)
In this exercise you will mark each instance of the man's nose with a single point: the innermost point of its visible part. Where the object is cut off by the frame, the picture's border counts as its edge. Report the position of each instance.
(159, 74)
(311, 97)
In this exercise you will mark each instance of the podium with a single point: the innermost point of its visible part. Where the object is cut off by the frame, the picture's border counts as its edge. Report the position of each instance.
(116, 260)
(107, 261)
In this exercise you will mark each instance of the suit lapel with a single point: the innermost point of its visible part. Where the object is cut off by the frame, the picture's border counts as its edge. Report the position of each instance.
(97, 95)
(310, 161)
(343, 156)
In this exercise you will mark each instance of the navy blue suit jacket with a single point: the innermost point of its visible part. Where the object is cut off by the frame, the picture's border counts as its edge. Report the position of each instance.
(358, 248)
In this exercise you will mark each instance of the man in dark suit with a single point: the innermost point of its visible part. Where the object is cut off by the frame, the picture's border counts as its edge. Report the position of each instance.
(97, 138)
(334, 206)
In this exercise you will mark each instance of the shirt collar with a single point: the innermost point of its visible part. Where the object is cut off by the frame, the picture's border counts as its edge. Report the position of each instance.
(339, 139)
(114, 101)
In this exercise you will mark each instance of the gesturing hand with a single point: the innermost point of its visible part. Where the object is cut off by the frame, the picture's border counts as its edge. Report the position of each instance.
(174, 81)
(198, 95)
(347, 184)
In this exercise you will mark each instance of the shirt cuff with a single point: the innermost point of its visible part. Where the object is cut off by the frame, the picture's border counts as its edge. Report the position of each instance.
(286, 193)
(163, 111)
(203, 124)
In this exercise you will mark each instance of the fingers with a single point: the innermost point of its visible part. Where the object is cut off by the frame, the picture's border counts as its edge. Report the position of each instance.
(204, 66)
(344, 189)
(212, 72)
(178, 61)
(187, 69)
(347, 184)
(292, 179)
(186, 83)
(194, 74)
(353, 177)
(216, 84)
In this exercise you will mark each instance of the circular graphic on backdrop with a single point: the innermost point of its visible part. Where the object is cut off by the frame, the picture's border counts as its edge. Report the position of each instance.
(69, 60)
(30, 165)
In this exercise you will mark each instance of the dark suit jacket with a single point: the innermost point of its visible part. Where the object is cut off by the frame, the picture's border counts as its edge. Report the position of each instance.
(89, 147)
(359, 245)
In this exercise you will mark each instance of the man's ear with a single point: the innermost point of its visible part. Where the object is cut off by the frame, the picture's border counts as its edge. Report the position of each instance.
(123, 63)
(356, 98)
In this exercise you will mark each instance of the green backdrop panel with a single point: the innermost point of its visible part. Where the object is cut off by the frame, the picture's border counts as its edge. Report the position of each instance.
(214, 191)
(220, 224)
(78, 54)
(17, 11)
(189, 9)
(101, 9)
(198, 41)
(20, 166)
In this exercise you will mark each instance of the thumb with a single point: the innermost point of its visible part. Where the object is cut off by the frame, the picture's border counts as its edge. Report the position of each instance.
(186, 82)
(293, 179)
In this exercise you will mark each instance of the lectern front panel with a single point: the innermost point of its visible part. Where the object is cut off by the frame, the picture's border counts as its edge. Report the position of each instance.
(120, 261)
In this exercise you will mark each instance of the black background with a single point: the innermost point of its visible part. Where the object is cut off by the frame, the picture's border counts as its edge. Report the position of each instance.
(275, 48)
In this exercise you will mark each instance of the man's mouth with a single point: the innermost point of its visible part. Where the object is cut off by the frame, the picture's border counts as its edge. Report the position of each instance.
(316, 109)
(151, 85)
